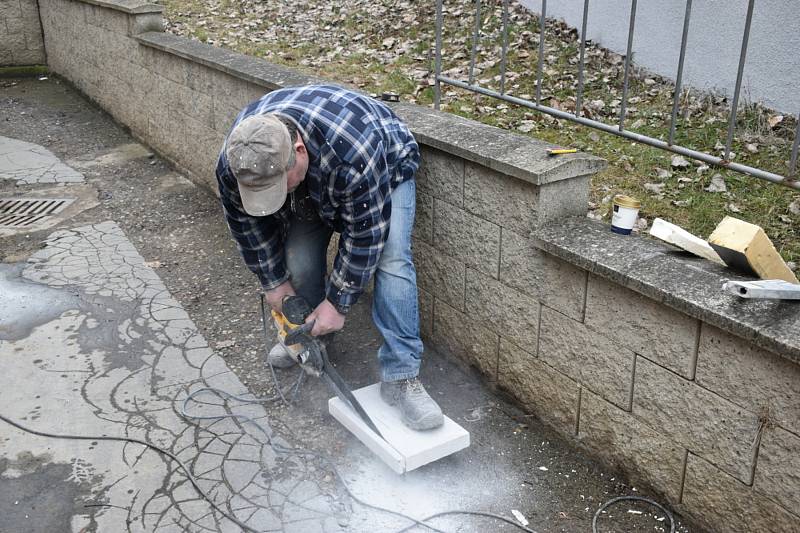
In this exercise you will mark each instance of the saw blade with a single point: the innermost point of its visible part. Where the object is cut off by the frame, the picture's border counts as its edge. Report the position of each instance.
(339, 387)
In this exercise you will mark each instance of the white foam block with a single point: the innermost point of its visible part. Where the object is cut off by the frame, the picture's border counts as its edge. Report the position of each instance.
(681, 238)
(403, 449)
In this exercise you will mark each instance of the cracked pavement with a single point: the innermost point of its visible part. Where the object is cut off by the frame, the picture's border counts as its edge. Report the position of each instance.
(110, 319)
(28, 163)
(120, 354)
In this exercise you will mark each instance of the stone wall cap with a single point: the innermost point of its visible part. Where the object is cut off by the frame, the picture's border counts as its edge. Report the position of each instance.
(677, 279)
(242, 66)
(133, 7)
(504, 151)
(515, 155)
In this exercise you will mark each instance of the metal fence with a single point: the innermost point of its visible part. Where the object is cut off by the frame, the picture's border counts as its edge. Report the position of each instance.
(788, 180)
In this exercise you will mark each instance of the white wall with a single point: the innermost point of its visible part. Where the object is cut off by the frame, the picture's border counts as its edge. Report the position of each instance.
(772, 70)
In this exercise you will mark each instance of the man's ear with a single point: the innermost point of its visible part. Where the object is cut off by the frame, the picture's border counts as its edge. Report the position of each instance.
(299, 147)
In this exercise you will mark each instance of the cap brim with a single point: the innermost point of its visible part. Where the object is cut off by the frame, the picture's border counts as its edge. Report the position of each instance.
(264, 201)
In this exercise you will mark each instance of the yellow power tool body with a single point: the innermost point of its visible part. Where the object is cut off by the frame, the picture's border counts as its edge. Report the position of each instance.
(297, 350)
(310, 352)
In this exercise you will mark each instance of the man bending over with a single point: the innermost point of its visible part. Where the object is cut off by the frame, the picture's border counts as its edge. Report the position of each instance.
(302, 163)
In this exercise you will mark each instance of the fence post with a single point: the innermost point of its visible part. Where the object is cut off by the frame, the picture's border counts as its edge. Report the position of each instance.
(437, 89)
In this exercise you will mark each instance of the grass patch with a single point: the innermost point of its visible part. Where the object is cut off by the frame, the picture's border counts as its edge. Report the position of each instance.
(27, 71)
(386, 45)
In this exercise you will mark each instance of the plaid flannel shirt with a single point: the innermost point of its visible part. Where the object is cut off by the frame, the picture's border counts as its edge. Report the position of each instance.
(359, 151)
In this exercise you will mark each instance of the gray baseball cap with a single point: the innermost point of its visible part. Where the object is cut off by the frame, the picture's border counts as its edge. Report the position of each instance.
(258, 150)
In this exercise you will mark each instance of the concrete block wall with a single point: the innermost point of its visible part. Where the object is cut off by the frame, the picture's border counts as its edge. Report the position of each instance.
(703, 417)
(20, 34)
(181, 108)
(481, 280)
(686, 406)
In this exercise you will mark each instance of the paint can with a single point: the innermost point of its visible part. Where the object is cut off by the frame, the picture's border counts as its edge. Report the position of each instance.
(626, 211)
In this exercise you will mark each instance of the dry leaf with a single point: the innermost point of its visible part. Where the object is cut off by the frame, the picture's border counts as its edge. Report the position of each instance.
(774, 120)
(678, 161)
(526, 126)
(655, 188)
(663, 174)
(717, 184)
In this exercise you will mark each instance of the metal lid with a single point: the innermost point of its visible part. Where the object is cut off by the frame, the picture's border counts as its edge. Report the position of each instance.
(627, 201)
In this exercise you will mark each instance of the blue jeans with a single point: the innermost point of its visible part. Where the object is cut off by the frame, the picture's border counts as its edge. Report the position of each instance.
(395, 308)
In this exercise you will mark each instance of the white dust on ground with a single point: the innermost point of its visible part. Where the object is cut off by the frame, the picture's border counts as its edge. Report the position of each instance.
(456, 482)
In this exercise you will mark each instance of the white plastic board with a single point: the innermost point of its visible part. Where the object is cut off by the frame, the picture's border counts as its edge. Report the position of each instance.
(404, 449)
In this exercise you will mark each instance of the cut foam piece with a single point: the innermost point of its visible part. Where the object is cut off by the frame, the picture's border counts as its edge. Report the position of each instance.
(404, 449)
(677, 236)
(746, 247)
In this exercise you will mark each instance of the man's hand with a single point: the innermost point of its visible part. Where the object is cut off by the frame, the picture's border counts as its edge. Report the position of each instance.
(275, 296)
(327, 319)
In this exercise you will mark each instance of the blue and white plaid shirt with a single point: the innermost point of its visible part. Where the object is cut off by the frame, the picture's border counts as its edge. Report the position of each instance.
(359, 151)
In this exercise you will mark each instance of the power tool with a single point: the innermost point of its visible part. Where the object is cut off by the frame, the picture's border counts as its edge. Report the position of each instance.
(310, 352)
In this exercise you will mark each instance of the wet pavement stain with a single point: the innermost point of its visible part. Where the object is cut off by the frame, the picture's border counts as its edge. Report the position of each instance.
(37, 495)
(25, 305)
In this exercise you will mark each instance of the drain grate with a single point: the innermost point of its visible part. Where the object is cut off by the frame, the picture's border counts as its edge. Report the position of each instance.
(18, 213)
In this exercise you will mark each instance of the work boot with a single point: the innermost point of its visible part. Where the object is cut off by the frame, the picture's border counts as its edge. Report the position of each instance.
(279, 357)
(418, 410)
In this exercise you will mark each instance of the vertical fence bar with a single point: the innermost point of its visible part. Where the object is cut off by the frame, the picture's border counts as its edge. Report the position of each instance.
(540, 67)
(504, 53)
(475, 37)
(437, 88)
(627, 67)
(579, 96)
(739, 73)
(793, 161)
(679, 76)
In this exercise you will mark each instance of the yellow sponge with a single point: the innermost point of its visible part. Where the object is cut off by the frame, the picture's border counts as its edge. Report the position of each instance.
(746, 247)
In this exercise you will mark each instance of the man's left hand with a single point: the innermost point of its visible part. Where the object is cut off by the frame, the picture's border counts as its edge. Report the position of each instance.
(327, 319)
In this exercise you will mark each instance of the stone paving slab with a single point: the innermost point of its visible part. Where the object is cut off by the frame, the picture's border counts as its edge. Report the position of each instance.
(29, 163)
(99, 347)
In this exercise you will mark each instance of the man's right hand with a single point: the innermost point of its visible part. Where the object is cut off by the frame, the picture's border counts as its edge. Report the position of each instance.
(275, 296)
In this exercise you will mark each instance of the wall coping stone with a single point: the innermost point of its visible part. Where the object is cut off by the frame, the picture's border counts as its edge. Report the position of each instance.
(516, 155)
(677, 279)
(241, 66)
(133, 7)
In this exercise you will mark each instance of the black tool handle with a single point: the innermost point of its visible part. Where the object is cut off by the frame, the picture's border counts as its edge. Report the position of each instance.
(295, 308)
(297, 334)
